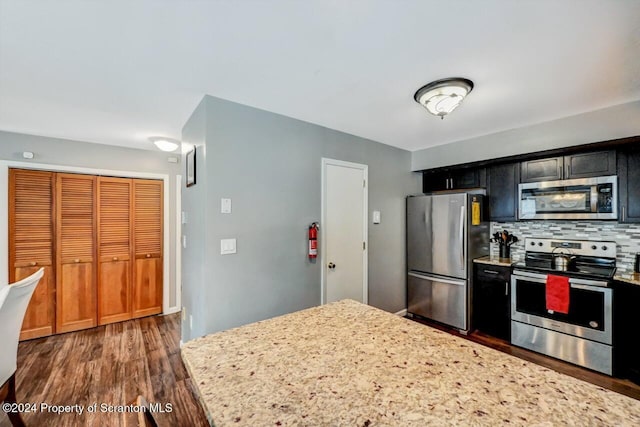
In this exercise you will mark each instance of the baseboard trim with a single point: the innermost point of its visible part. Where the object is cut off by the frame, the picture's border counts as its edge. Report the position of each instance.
(401, 313)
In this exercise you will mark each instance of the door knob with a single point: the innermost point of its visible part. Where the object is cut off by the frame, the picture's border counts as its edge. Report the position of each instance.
(332, 265)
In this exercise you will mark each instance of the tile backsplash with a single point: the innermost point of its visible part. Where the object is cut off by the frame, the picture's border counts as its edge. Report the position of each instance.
(626, 236)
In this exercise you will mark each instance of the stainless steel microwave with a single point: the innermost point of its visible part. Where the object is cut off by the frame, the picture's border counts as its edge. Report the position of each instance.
(587, 198)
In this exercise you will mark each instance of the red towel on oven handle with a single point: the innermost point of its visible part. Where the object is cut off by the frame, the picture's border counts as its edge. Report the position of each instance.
(557, 293)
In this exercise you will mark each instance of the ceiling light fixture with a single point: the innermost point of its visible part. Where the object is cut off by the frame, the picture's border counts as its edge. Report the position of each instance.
(165, 144)
(443, 96)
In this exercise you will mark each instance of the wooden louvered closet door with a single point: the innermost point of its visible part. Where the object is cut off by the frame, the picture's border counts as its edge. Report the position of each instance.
(114, 249)
(147, 226)
(31, 241)
(76, 306)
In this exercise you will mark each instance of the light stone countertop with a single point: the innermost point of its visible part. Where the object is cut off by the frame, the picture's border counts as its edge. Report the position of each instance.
(489, 259)
(349, 364)
(633, 278)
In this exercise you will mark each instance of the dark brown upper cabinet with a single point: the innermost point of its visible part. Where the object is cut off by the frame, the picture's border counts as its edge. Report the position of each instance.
(629, 185)
(549, 169)
(583, 165)
(587, 165)
(453, 179)
(435, 181)
(502, 188)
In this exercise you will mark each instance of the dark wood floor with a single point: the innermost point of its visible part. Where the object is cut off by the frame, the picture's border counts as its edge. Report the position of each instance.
(110, 364)
(621, 386)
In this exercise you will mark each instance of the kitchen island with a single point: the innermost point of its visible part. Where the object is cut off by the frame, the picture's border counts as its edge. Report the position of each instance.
(347, 363)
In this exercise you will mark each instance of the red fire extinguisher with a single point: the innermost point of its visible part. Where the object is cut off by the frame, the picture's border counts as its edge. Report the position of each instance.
(313, 240)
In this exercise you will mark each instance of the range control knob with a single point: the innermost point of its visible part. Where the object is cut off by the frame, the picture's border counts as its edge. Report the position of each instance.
(533, 243)
(604, 248)
(539, 243)
(594, 247)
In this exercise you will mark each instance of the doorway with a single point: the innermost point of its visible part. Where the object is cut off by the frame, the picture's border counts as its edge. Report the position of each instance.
(344, 245)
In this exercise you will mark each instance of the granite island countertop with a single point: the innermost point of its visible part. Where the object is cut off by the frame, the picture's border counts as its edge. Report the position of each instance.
(350, 364)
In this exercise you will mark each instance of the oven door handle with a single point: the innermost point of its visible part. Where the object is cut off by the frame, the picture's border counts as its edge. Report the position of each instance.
(573, 282)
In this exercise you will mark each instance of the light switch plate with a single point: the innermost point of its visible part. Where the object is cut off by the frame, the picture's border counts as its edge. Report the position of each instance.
(227, 246)
(225, 205)
(376, 217)
(183, 217)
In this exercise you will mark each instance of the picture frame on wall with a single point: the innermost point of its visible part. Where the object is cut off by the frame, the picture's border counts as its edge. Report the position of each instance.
(191, 167)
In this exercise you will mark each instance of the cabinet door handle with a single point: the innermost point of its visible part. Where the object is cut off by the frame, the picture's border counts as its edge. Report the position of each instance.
(76, 260)
(506, 288)
(115, 258)
(490, 272)
(33, 263)
(148, 255)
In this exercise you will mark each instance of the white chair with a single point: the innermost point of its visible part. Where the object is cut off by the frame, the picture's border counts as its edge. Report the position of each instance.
(14, 300)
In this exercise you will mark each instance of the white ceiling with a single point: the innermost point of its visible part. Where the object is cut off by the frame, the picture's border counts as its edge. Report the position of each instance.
(116, 72)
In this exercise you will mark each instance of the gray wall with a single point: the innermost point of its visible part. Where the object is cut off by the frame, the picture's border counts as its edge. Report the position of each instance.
(270, 166)
(609, 123)
(62, 152)
(196, 253)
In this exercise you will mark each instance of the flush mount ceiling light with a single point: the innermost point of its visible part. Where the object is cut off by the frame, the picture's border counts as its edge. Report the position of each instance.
(443, 96)
(165, 144)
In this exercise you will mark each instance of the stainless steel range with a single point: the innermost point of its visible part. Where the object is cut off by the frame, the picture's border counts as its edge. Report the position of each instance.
(583, 335)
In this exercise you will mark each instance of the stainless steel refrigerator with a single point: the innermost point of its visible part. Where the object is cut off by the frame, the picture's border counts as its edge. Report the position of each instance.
(445, 232)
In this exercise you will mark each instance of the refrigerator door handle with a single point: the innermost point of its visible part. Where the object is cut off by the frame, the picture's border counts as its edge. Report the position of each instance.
(438, 279)
(462, 211)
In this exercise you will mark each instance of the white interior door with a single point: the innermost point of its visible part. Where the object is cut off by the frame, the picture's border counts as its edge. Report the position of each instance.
(344, 231)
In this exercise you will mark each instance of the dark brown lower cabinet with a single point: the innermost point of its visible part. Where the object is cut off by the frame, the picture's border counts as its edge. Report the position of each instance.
(491, 300)
(626, 318)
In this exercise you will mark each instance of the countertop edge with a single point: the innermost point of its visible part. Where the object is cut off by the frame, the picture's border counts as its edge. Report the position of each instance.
(503, 262)
(633, 280)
